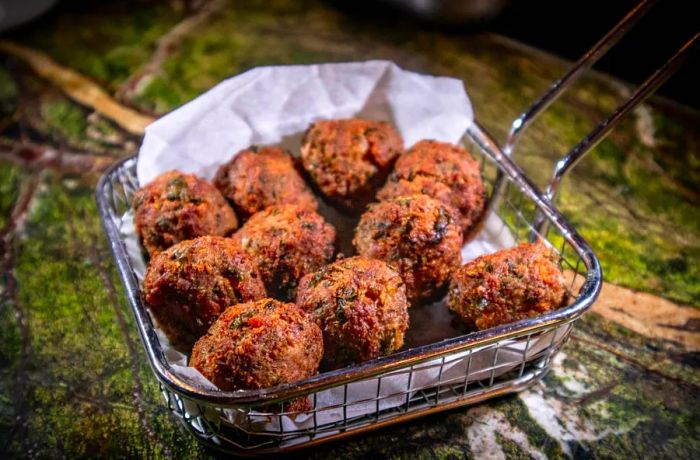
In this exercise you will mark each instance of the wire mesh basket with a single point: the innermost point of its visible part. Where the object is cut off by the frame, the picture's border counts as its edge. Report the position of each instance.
(422, 379)
(408, 384)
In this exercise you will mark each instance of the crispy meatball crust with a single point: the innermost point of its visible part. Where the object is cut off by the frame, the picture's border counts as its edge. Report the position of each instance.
(256, 178)
(507, 286)
(443, 171)
(175, 207)
(286, 242)
(360, 305)
(188, 285)
(258, 345)
(347, 159)
(418, 236)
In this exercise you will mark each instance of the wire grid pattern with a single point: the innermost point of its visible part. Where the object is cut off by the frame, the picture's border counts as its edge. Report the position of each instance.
(214, 426)
(254, 430)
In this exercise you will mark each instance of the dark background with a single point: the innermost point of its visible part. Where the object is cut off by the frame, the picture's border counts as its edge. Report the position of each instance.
(569, 29)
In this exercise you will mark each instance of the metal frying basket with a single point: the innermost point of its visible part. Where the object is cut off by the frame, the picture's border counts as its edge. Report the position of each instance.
(422, 380)
(408, 384)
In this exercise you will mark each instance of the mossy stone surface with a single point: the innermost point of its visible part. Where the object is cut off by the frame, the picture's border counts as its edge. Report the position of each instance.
(74, 378)
(106, 41)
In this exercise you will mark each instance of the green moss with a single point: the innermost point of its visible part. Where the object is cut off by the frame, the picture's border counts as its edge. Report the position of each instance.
(517, 414)
(8, 93)
(651, 354)
(511, 449)
(160, 97)
(11, 178)
(81, 384)
(645, 233)
(225, 48)
(116, 39)
(679, 152)
(10, 349)
(448, 453)
(64, 119)
(104, 128)
(648, 410)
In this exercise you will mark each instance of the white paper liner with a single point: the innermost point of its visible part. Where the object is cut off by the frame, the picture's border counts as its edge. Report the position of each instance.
(275, 105)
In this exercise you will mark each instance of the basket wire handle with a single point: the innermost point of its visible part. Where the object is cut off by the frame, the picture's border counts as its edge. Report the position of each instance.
(604, 127)
(571, 159)
(584, 63)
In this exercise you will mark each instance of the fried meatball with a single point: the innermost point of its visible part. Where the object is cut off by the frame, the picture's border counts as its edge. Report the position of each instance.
(188, 285)
(507, 286)
(348, 159)
(256, 178)
(417, 235)
(286, 242)
(175, 207)
(443, 171)
(360, 305)
(258, 345)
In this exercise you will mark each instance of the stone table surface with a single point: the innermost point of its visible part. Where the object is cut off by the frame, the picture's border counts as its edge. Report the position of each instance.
(78, 86)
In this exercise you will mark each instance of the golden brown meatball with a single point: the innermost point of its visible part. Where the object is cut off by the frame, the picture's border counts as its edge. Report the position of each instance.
(443, 171)
(188, 285)
(258, 345)
(348, 159)
(286, 242)
(360, 305)
(256, 178)
(417, 235)
(507, 286)
(175, 207)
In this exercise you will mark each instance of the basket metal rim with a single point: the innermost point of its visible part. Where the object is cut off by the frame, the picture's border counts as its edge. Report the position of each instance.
(156, 357)
(523, 383)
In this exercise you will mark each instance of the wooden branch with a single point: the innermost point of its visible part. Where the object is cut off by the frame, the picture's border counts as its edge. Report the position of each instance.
(79, 88)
